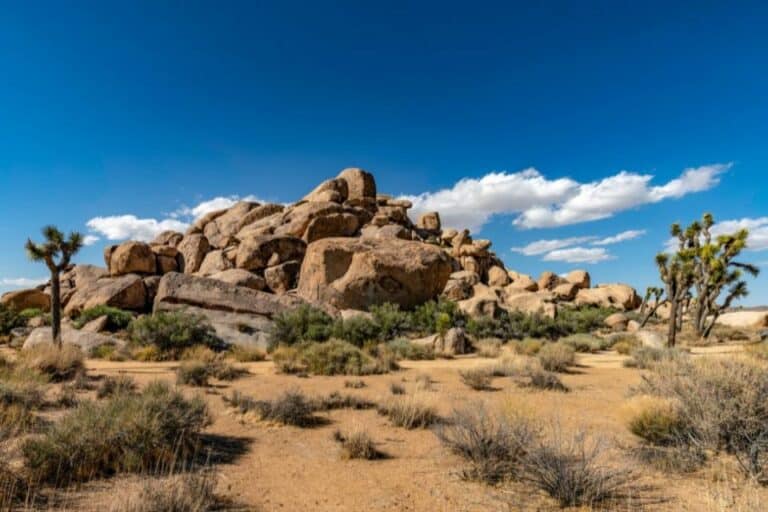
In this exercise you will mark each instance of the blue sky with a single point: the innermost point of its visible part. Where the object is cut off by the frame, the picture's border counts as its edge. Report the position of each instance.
(571, 122)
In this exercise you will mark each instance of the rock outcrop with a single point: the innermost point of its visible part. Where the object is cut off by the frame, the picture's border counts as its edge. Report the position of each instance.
(24, 299)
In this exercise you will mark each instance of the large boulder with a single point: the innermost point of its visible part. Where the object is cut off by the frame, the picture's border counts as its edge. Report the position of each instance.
(215, 261)
(497, 276)
(267, 250)
(532, 303)
(355, 273)
(283, 277)
(221, 231)
(166, 257)
(85, 340)
(124, 292)
(240, 277)
(566, 291)
(132, 258)
(580, 278)
(548, 281)
(386, 232)
(429, 221)
(522, 282)
(169, 238)
(484, 301)
(333, 225)
(619, 296)
(19, 300)
(453, 343)
(334, 190)
(616, 321)
(361, 186)
(192, 251)
(744, 319)
(240, 315)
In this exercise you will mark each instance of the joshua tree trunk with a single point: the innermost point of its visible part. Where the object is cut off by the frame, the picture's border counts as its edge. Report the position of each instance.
(55, 308)
(651, 312)
(672, 334)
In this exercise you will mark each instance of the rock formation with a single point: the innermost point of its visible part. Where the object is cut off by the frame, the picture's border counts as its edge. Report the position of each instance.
(343, 246)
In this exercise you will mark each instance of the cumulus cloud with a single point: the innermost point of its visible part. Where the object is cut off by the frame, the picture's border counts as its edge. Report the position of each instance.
(22, 282)
(542, 246)
(540, 202)
(621, 237)
(578, 255)
(130, 227)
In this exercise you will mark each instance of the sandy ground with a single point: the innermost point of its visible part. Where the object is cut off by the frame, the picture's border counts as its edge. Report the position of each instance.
(278, 468)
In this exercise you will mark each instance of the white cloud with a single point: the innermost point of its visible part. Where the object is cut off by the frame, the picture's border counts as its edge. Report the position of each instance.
(579, 255)
(130, 227)
(621, 237)
(541, 202)
(22, 282)
(542, 246)
(90, 239)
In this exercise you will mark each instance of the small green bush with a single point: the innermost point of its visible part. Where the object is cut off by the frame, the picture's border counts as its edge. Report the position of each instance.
(290, 408)
(172, 332)
(583, 342)
(358, 330)
(336, 357)
(193, 373)
(390, 321)
(434, 316)
(10, 320)
(646, 357)
(116, 318)
(158, 427)
(304, 323)
(556, 357)
(405, 349)
(21, 393)
(656, 420)
(528, 347)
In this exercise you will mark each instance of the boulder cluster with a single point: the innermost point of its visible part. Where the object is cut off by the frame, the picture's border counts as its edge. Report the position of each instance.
(341, 247)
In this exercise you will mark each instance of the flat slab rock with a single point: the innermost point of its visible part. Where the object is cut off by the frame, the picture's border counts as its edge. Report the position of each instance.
(87, 341)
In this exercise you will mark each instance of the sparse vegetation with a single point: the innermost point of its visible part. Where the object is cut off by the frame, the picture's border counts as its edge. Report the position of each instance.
(116, 318)
(21, 393)
(409, 412)
(193, 373)
(192, 491)
(584, 342)
(290, 408)
(173, 332)
(246, 354)
(528, 346)
(656, 420)
(333, 357)
(124, 433)
(404, 349)
(645, 357)
(489, 348)
(59, 363)
(354, 384)
(10, 320)
(116, 385)
(396, 389)
(357, 445)
(478, 379)
(556, 357)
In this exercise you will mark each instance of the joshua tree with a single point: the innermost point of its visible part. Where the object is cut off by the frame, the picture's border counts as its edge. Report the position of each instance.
(656, 293)
(716, 273)
(55, 246)
(676, 273)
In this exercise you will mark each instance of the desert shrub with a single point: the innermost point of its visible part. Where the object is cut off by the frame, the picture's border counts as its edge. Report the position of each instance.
(290, 408)
(304, 323)
(390, 321)
(404, 349)
(193, 373)
(59, 364)
(624, 347)
(173, 332)
(336, 400)
(354, 384)
(492, 445)
(722, 404)
(357, 445)
(116, 385)
(656, 420)
(409, 412)
(287, 359)
(583, 342)
(246, 354)
(333, 357)
(758, 350)
(108, 351)
(16, 492)
(30, 313)
(488, 347)
(396, 389)
(116, 318)
(21, 393)
(147, 353)
(222, 370)
(478, 379)
(528, 346)
(198, 353)
(10, 320)
(646, 357)
(435, 316)
(519, 325)
(541, 379)
(183, 492)
(556, 357)
(124, 433)
(572, 470)
(357, 330)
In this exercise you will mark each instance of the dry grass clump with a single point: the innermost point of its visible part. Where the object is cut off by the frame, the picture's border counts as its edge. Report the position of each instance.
(354, 384)
(721, 405)
(357, 445)
(21, 393)
(423, 382)
(243, 354)
(645, 358)
(16, 492)
(124, 433)
(584, 342)
(290, 408)
(193, 373)
(488, 347)
(478, 379)
(556, 357)
(59, 364)
(336, 400)
(405, 349)
(527, 371)
(396, 389)
(623, 342)
(116, 385)
(528, 346)
(541, 379)
(184, 492)
(574, 471)
(409, 412)
(757, 350)
(492, 445)
(656, 420)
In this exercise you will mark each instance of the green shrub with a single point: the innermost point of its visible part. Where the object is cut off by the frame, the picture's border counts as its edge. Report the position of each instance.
(193, 373)
(10, 320)
(357, 330)
(528, 347)
(290, 408)
(59, 364)
(656, 420)
(125, 433)
(184, 492)
(556, 357)
(583, 342)
(541, 379)
(172, 332)
(116, 318)
(336, 357)
(519, 325)
(304, 323)
(434, 316)
(390, 321)
(30, 313)
(405, 349)
(646, 357)
(21, 393)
